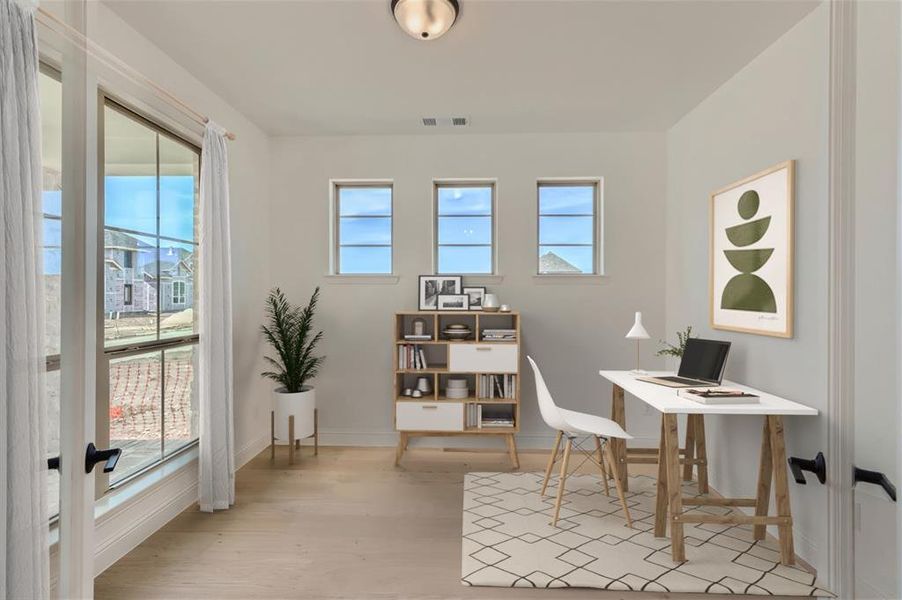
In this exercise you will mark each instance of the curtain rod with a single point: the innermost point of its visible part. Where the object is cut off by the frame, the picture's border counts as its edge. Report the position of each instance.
(89, 47)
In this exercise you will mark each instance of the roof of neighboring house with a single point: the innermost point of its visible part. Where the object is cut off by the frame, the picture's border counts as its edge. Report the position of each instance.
(552, 263)
(118, 239)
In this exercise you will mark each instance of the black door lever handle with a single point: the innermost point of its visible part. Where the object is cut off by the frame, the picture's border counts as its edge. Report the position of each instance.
(818, 466)
(94, 456)
(877, 478)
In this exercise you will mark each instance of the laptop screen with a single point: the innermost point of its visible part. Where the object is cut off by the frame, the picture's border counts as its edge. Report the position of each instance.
(704, 359)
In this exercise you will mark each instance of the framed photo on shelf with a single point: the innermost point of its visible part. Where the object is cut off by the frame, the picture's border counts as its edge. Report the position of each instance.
(476, 295)
(751, 258)
(453, 302)
(432, 286)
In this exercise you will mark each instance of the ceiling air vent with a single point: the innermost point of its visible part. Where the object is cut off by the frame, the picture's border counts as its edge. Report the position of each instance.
(445, 121)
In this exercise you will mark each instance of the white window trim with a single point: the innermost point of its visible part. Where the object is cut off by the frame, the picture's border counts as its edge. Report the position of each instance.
(598, 250)
(332, 273)
(496, 213)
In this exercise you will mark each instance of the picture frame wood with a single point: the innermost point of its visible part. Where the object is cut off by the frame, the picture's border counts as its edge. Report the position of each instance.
(750, 272)
(429, 287)
(453, 302)
(476, 294)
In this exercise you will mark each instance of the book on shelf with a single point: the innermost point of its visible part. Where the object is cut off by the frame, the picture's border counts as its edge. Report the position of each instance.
(486, 416)
(499, 335)
(418, 338)
(497, 423)
(498, 386)
(412, 357)
(718, 395)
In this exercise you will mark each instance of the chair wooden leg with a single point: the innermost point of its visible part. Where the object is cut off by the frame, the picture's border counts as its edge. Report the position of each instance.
(315, 432)
(690, 448)
(701, 453)
(551, 460)
(290, 439)
(613, 465)
(562, 481)
(604, 470)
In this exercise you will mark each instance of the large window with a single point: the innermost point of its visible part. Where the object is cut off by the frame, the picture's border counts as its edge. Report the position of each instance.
(568, 228)
(363, 223)
(150, 200)
(51, 91)
(464, 228)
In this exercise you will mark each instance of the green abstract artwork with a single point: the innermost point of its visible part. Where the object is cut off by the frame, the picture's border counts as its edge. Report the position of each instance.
(748, 291)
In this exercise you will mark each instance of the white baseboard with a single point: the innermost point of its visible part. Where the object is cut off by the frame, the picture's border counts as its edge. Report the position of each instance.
(382, 439)
(120, 531)
(136, 517)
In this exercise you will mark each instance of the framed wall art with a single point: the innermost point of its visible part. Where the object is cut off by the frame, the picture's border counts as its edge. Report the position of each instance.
(751, 253)
(431, 286)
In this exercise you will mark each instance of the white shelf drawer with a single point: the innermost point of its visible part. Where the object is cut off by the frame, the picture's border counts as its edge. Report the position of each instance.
(429, 416)
(483, 358)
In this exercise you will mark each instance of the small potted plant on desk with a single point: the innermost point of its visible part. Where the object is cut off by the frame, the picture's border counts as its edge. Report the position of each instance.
(676, 350)
(289, 330)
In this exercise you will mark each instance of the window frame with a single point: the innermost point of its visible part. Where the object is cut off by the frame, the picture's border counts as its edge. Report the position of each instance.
(53, 362)
(106, 354)
(597, 184)
(335, 186)
(493, 245)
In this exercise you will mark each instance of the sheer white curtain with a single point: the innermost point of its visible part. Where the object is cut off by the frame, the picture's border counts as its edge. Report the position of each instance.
(217, 453)
(23, 486)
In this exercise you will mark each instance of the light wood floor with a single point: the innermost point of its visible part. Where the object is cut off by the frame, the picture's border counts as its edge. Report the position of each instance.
(346, 524)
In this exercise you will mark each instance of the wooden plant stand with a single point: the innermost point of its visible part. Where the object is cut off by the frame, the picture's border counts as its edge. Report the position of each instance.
(294, 444)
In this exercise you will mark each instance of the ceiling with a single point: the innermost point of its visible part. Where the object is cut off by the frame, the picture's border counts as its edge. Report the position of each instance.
(321, 67)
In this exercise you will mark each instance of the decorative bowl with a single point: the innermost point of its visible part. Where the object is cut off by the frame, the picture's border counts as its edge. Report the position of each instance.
(457, 334)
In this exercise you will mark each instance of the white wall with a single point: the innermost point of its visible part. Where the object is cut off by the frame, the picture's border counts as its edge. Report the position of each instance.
(571, 328)
(774, 109)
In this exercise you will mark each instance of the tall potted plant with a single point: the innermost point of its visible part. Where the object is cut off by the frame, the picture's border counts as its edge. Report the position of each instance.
(289, 330)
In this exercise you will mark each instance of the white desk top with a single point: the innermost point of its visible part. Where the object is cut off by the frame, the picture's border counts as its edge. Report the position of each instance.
(666, 400)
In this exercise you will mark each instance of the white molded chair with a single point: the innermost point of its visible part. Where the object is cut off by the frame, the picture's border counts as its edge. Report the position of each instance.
(573, 424)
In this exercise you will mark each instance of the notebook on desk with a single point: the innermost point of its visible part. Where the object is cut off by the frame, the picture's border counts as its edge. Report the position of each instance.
(702, 365)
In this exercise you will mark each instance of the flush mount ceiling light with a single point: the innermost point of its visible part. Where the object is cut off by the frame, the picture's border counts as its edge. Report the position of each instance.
(425, 19)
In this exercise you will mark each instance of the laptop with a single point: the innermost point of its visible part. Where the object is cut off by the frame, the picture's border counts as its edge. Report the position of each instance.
(702, 365)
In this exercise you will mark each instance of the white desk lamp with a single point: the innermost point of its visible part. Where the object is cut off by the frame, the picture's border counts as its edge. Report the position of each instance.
(637, 333)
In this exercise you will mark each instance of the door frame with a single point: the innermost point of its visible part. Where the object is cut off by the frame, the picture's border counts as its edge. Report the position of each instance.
(78, 357)
(842, 89)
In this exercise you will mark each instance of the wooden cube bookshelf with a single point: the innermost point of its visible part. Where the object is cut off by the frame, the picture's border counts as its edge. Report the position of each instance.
(434, 414)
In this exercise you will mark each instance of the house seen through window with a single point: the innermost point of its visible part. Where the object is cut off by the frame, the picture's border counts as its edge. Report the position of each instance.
(568, 230)
(150, 202)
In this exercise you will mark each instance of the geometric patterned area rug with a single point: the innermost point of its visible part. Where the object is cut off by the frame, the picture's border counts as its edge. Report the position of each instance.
(508, 541)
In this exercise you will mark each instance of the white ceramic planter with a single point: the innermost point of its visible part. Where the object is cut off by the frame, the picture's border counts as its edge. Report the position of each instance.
(301, 405)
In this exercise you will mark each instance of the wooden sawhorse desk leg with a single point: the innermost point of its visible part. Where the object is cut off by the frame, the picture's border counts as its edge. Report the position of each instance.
(696, 453)
(618, 446)
(671, 460)
(781, 488)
